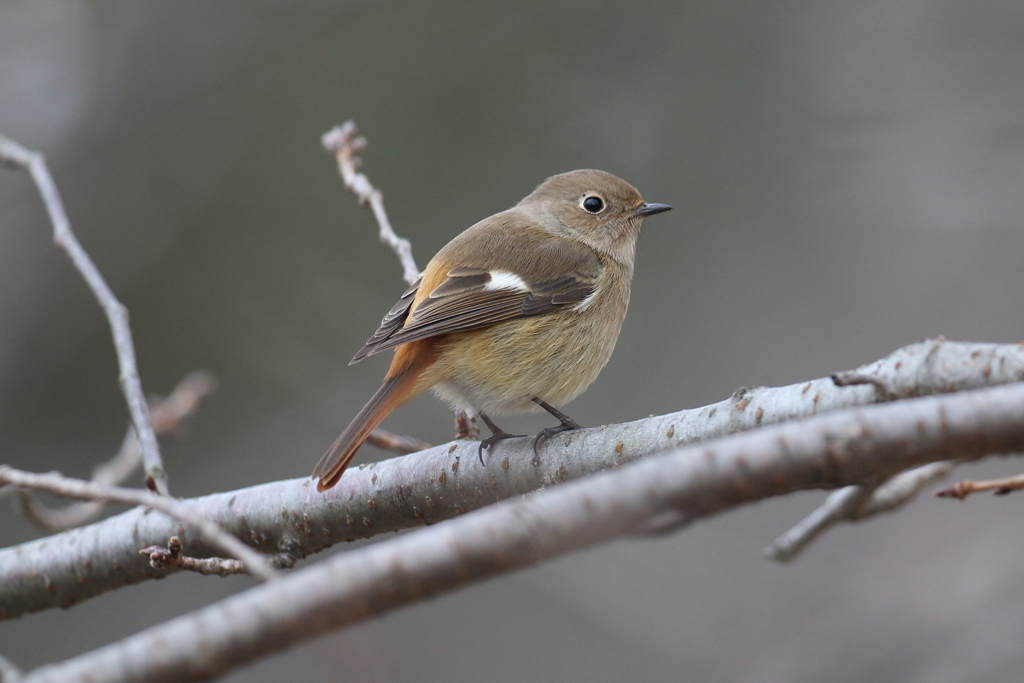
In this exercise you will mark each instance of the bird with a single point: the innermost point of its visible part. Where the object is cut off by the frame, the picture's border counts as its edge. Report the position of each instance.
(517, 314)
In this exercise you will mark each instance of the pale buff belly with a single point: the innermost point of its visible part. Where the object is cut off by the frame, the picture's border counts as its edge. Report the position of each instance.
(555, 357)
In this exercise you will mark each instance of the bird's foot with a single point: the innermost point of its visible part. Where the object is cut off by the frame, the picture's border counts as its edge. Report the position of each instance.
(497, 434)
(493, 439)
(465, 426)
(567, 425)
(548, 432)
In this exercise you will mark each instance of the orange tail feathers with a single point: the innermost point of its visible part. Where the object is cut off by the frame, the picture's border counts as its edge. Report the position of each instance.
(399, 386)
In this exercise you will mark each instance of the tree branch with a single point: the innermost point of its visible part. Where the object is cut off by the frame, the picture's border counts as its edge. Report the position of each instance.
(894, 377)
(854, 503)
(843, 448)
(346, 145)
(290, 517)
(396, 443)
(170, 556)
(15, 155)
(839, 506)
(999, 487)
(208, 531)
(167, 414)
(918, 369)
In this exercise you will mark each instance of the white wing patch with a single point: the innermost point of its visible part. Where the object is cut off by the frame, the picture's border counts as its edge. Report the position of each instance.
(501, 279)
(586, 303)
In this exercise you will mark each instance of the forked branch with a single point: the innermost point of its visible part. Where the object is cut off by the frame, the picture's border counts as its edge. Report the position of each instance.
(168, 416)
(13, 154)
(87, 490)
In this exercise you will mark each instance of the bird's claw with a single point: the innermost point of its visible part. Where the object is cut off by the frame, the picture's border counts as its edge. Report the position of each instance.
(548, 432)
(493, 439)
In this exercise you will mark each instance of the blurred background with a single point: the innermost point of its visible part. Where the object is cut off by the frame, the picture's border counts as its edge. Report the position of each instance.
(847, 177)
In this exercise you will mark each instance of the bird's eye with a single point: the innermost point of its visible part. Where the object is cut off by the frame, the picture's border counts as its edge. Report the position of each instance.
(593, 204)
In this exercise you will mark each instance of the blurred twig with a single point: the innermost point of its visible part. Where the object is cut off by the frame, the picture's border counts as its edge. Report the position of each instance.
(9, 673)
(381, 438)
(86, 490)
(840, 505)
(17, 156)
(168, 415)
(345, 143)
(999, 487)
(854, 503)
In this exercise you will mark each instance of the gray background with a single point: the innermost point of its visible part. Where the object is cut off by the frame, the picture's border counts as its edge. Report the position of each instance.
(848, 177)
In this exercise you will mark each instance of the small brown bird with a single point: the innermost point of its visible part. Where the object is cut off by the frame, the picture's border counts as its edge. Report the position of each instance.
(518, 313)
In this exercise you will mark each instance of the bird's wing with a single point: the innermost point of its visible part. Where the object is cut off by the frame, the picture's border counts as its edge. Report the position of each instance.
(391, 323)
(471, 297)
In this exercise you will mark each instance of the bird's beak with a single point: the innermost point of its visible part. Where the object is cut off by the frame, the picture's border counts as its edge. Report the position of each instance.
(648, 209)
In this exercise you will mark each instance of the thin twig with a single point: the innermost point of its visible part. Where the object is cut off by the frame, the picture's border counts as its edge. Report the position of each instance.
(834, 450)
(903, 488)
(398, 443)
(346, 145)
(161, 557)
(855, 503)
(86, 490)
(999, 487)
(168, 415)
(117, 315)
(838, 506)
(110, 473)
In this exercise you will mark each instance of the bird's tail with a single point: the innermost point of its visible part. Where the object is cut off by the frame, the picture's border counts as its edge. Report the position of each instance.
(399, 385)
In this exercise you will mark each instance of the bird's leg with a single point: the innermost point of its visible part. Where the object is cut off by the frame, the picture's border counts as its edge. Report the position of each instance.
(465, 425)
(497, 434)
(568, 424)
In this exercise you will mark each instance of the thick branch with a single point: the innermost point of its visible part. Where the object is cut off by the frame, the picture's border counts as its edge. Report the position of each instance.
(290, 517)
(87, 490)
(117, 315)
(896, 376)
(829, 451)
(915, 370)
(346, 145)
